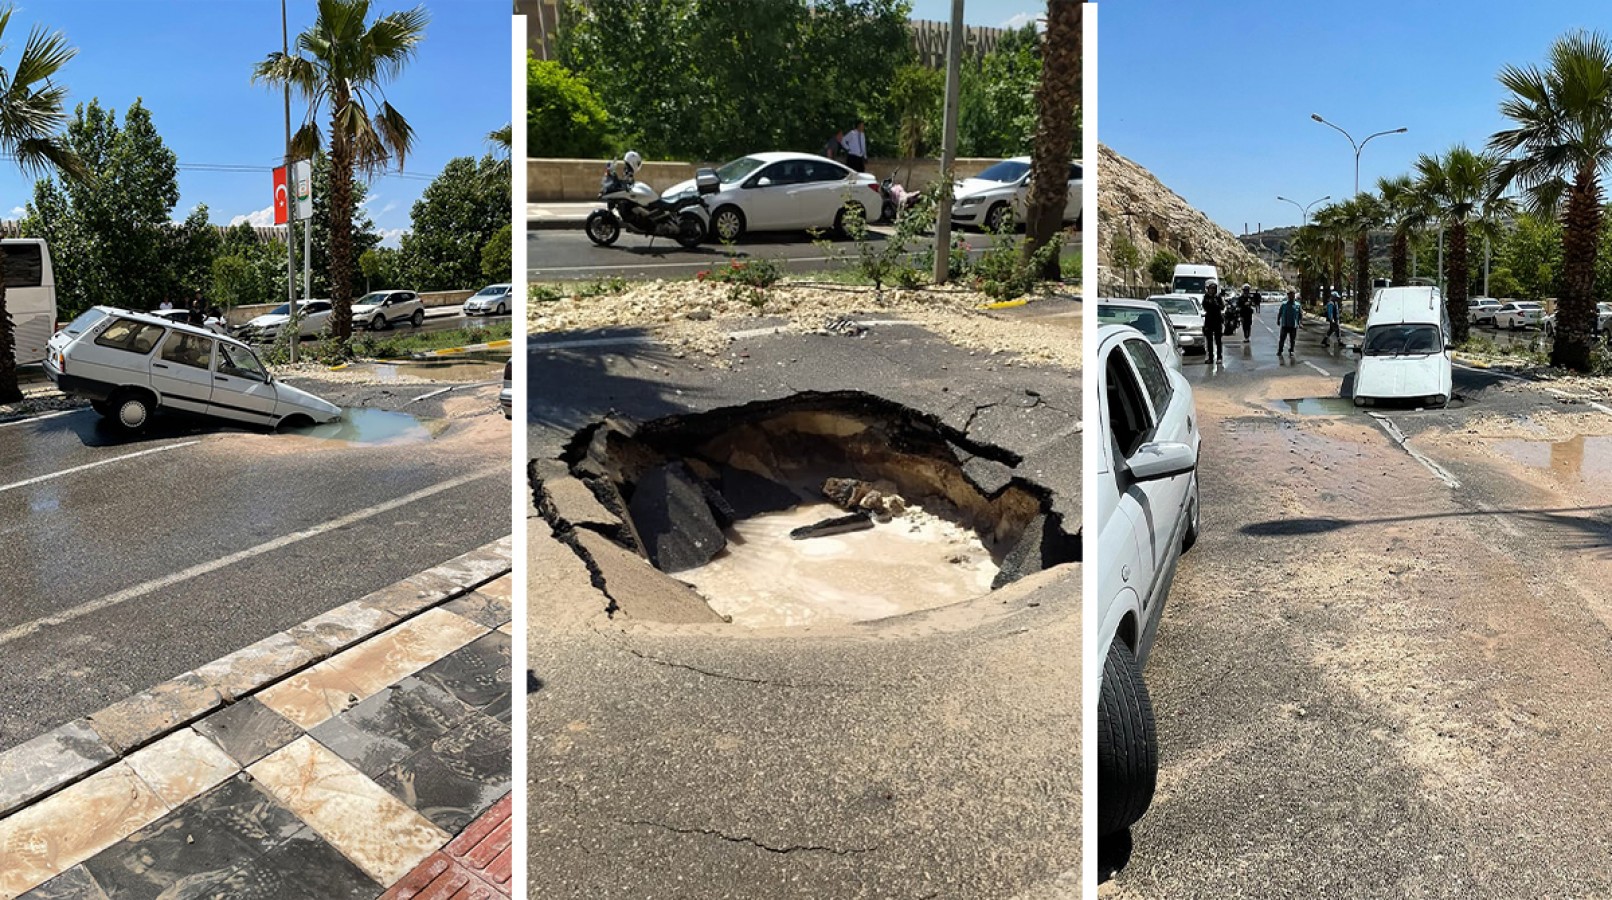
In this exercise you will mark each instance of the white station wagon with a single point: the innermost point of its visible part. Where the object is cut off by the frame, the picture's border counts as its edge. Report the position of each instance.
(130, 364)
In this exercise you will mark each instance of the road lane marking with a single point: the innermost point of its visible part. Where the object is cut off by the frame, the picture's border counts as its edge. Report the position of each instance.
(1318, 368)
(26, 419)
(1267, 327)
(105, 462)
(1580, 399)
(140, 590)
(1398, 437)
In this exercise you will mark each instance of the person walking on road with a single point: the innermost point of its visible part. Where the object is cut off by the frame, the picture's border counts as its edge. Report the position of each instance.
(856, 148)
(834, 145)
(1214, 310)
(1288, 318)
(1245, 309)
(1331, 312)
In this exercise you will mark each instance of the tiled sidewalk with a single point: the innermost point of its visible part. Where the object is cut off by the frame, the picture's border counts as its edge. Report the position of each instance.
(337, 782)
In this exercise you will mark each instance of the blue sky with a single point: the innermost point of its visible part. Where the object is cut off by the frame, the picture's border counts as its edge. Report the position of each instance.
(190, 61)
(985, 13)
(1215, 99)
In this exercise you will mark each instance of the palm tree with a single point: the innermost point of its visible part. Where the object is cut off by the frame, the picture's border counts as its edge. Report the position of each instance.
(1355, 219)
(340, 66)
(1307, 254)
(1561, 141)
(1407, 213)
(1460, 188)
(30, 118)
(1332, 233)
(1056, 100)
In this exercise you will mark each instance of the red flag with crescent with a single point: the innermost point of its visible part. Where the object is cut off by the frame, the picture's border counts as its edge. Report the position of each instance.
(281, 198)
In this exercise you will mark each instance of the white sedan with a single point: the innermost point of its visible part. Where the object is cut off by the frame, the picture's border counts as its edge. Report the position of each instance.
(985, 200)
(312, 317)
(1148, 318)
(1147, 516)
(493, 300)
(1518, 315)
(784, 192)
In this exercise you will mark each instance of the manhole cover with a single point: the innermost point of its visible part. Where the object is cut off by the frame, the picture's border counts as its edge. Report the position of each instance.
(815, 509)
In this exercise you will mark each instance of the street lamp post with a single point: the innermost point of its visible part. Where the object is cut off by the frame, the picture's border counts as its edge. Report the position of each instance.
(1358, 147)
(1304, 211)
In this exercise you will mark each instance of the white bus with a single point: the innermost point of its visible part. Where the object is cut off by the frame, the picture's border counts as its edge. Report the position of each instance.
(30, 296)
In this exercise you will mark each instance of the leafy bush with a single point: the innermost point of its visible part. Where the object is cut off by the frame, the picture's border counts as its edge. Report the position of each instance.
(755, 273)
(544, 293)
(497, 256)
(563, 117)
(1001, 273)
(1161, 268)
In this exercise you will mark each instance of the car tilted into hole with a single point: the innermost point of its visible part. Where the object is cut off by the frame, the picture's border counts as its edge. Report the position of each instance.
(129, 365)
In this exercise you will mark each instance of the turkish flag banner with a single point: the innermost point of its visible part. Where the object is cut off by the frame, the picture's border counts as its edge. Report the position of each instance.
(281, 204)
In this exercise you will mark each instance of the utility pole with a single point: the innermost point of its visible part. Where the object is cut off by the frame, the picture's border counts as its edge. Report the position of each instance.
(948, 145)
(291, 204)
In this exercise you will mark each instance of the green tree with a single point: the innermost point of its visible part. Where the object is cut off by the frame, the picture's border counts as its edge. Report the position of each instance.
(497, 257)
(341, 66)
(916, 98)
(1356, 218)
(1530, 255)
(996, 112)
(1460, 185)
(452, 221)
(1559, 142)
(30, 118)
(1125, 256)
(234, 280)
(259, 276)
(1161, 267)
(369, 262)
(111, 232)
(361, 228)
(563, 117)
(1056, 101)
(1405, 212)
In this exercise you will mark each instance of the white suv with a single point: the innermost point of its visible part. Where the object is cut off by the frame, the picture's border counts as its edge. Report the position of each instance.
(379, 310)
(131, 364)
(1147, 513)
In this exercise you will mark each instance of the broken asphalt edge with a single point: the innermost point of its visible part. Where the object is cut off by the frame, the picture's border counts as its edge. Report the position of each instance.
(67, 754)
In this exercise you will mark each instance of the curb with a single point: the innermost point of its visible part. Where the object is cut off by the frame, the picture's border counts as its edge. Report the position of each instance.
(468, 348)
(555, 223)
(70, 753)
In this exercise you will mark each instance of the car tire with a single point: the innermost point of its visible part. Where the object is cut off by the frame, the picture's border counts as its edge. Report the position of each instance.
(418, 318)
(993, 217)
(499, 310)
(131, 410)
(841, 233)
(103, 408)
(727, 224)
(295, 420)
(1191, 537)
(1127, 745)
(378, 323)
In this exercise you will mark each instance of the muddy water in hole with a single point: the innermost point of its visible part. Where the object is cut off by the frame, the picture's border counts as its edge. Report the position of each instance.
(1580, 458)
(765, 578)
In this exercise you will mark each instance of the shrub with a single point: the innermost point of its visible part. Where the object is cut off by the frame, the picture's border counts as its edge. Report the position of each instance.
(563, 117)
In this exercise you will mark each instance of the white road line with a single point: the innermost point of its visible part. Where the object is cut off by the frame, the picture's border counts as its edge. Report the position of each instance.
(105, 462)
(1267, 327)
(26, 419)
(1579, 398)
(156, 584)
(1318, 368)
(1398, 437)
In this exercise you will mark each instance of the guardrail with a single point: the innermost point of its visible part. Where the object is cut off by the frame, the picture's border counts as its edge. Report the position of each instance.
(240, 315)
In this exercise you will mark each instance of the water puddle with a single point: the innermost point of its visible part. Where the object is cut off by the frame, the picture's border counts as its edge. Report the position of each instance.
(461, 369)
(1580, 458)
(374, 426)
(914, 561)
(1315, 406)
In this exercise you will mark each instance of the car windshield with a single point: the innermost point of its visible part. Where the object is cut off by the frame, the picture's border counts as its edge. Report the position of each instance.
(1177, 305)
(1397, 340)
(1143, 320)
(85, 319)
(1005, 171)
(493, 291)
(371, 299)
(1189, 284)
(738, 170)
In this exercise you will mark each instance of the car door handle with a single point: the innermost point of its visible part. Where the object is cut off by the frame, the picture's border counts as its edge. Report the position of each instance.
(220, 378)
(159, 365)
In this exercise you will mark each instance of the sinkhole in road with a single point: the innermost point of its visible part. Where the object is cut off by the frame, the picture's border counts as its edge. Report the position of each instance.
(362, 425)
(819, 508)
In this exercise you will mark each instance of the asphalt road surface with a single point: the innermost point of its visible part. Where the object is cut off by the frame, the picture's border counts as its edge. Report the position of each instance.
(1383, 670)
(933, 754)
(565, 255)
(126, 561)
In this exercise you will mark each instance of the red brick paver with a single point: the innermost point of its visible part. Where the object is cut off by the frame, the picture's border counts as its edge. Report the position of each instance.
(474, 866)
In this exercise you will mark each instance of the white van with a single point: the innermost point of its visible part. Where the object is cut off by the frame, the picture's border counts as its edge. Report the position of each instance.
(1190, 279)
(130, 364)
(30, 296)
(1405, 355)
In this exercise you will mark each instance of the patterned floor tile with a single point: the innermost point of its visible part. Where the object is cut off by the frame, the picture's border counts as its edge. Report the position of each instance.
(248, 730)
(459, 777)
(63, 830)
(306, 867)
(395, 723)
(182, 766)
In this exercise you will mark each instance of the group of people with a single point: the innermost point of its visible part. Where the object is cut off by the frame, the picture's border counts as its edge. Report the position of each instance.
(851, 145)
(1241, 308)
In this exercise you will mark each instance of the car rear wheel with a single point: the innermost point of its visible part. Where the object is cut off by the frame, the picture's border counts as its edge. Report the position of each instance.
(131, 410)
(1191, 537)
(418, 318)
(1127, 747)
(378, 323)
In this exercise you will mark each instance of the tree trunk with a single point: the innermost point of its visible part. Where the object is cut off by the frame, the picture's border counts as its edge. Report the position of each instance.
(9, 391)
(341, 232)
(1399, 259)
(1575, 313)
(1056, 99)
(1362, 272)
(1455, 281)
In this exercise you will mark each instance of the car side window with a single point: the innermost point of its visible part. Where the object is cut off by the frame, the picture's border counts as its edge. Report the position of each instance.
(822, 171)
(1154, 378)
(127, 334)
(1129, 421)
(188, 350)
(239, 362)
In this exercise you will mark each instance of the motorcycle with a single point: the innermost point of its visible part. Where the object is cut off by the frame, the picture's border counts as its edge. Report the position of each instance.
(896, 199)
(635, 206)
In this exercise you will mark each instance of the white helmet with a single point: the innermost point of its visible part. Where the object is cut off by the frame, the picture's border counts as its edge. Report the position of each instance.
(633, 161)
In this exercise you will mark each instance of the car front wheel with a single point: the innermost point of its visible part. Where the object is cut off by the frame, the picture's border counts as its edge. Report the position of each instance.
(378, 323)
(1127, 747)
(727, 224)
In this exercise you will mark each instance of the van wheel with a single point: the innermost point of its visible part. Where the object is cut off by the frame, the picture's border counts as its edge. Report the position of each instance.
(1127, 748)
(131, 410)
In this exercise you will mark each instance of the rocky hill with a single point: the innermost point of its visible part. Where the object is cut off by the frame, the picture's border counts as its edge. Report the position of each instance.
(1160, 219)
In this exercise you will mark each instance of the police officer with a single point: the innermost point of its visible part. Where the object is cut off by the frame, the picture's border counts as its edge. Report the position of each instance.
(1214, 312)
(1245, 309)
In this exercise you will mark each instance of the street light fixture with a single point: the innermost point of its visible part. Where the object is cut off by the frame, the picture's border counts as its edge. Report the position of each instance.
(1303, 210)
(1358, 147)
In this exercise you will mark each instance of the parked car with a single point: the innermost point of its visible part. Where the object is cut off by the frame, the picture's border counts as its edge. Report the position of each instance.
(379, 310)
(1521, 314)
(1147, 514)
(783, 192)
(1144, 316)
(493, 300)
(1480, 310)
(312, 318)
(131, 365)
(506, 394)
(1406, 353)
(985, 200)
(1186, 314)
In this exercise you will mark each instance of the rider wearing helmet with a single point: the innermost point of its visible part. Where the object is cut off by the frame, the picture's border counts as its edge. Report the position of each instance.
(633, 161)
(1214, 308)
(1245, 309)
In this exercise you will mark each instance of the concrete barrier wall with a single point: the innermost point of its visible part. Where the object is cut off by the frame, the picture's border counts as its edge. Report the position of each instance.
(240, 315)
(577, 180)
